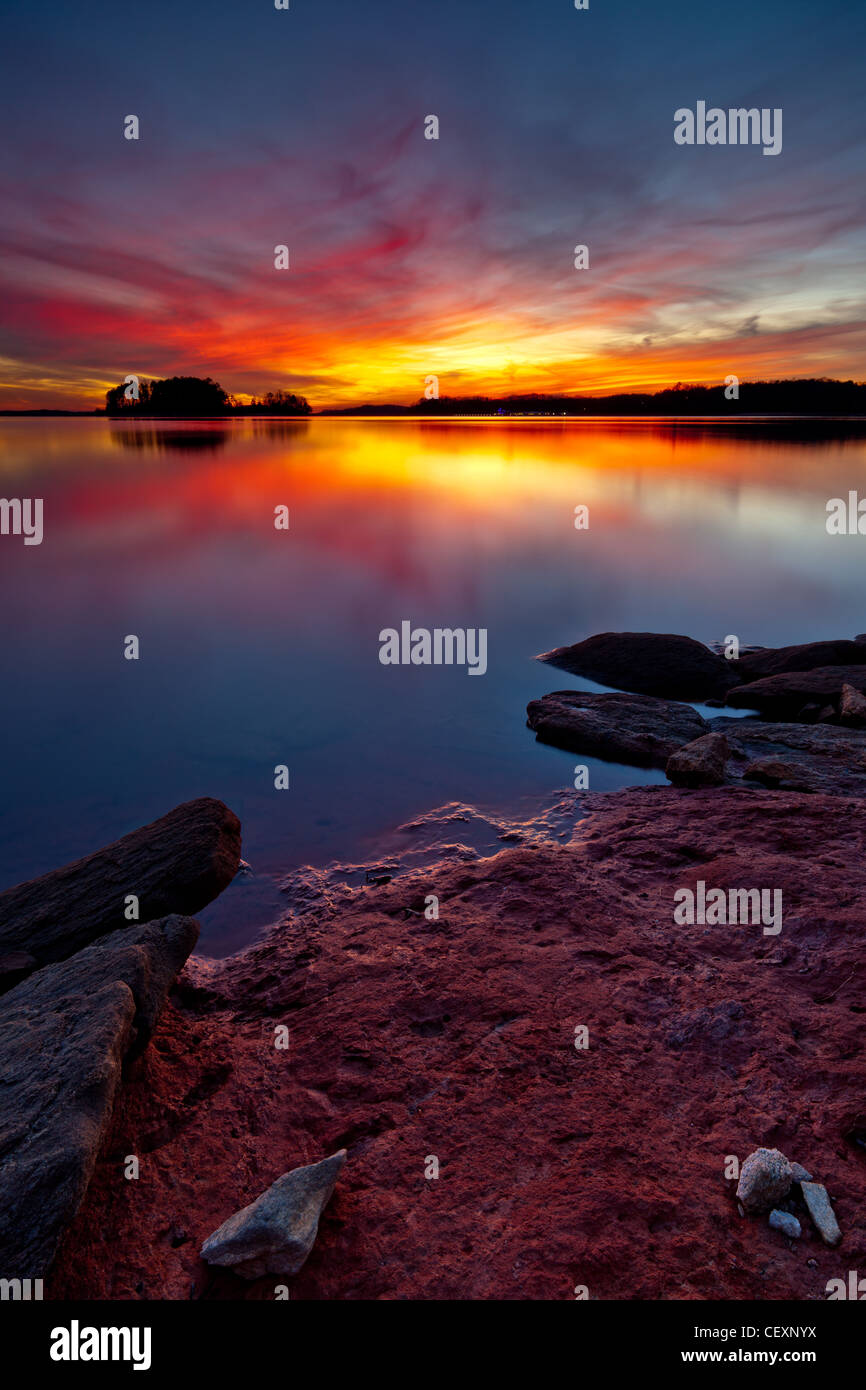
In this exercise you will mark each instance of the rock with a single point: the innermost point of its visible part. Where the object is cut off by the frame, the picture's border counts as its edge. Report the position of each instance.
(825, 715)
(783, 696)
(852, 707)
(179, 863)
(765, 1179)
(809, 714)
(821, 1212)
(699, 764)
(799, 1174)
(785, 1222)
(65, 1033)
(15, 966)
(633, 729)
(276, 1232)
(795, 757)
(417, 1038)
(775, 661)
(775, 772)
(648, 663)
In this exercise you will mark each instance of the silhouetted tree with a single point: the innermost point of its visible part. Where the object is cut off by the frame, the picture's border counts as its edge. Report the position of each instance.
(177, 395)
(285, 403)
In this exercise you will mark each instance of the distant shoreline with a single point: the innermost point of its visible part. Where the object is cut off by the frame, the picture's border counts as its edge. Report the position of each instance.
(407, 413)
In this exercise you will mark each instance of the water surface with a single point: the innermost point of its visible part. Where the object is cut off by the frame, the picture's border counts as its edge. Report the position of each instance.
(260, 647)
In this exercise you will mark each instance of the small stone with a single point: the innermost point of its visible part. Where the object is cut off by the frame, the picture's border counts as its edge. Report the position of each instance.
(821, 1212)
(813, 1264)
(276, 1232)
(799, 1174)
(786, 1223)
(765, 1179)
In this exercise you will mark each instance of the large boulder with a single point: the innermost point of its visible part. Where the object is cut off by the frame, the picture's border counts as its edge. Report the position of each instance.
(784, 696)
(179, 863)
(649, 663)
(65, 1033)
(633, 729)
(276, 1232)
(807, 656)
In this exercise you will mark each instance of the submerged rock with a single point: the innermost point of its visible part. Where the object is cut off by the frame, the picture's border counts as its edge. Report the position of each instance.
(821, 1212)
(65, 1033)
(648, 663)
(178, 863)
(785, 1222)
(276, 1232)
(765, 1179)
(699, 764)
(634, 729)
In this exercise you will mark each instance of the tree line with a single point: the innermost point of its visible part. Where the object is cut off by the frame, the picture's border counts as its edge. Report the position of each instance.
(194, 395)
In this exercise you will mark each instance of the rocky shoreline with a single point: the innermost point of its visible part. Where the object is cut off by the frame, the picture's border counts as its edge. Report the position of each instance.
(580, 1067)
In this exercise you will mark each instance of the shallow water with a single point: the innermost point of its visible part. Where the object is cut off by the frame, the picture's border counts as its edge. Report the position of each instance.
(261, 647)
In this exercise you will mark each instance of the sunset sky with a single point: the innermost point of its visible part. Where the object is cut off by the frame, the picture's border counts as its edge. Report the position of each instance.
(410, 256)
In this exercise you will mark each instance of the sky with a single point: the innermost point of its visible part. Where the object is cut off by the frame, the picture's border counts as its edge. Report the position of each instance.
(412, 257)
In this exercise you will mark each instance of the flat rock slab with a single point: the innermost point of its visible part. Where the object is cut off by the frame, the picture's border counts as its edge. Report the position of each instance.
(456, 1038)
(276, 1232)
(783, 696)
(649, 663)
(633, 729)
(821, 1212)
(65, 1033)
(795, 757)
(179, 863)
(775, 661)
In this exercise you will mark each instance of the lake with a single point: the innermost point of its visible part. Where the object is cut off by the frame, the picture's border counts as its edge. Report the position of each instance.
(260, 647)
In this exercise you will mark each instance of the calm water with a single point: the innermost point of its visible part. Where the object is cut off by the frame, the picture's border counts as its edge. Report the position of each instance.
(260, 647)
